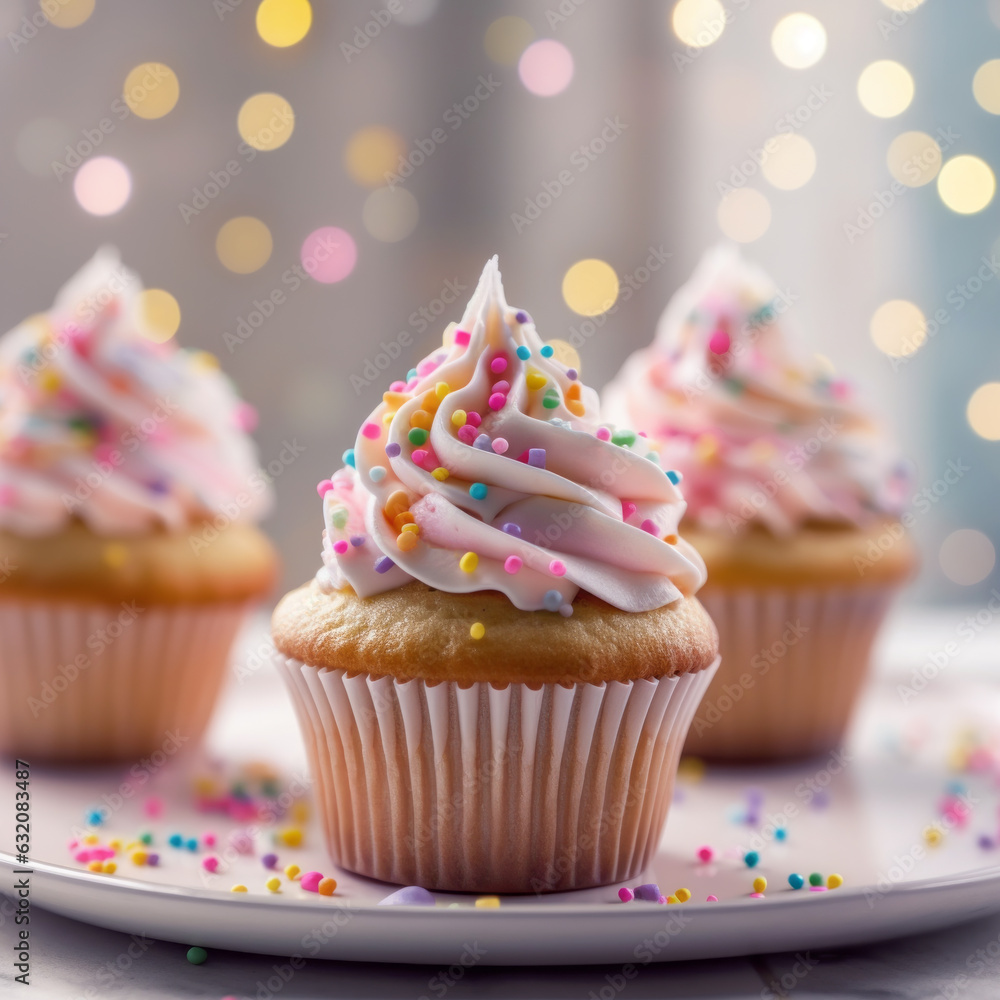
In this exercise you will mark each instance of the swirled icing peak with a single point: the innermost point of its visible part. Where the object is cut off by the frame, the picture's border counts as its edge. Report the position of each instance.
(99, 422)
(488, 468)
(757, 436)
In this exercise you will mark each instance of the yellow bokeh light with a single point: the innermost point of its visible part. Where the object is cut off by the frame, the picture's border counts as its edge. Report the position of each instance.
(390, 214)
(744, 215)
(914, 158)
(986, 86)
(967, 556)
(885, 88)
(266, 121)
(372, 153)
(159, 313)
(798, 41)
(243, 244)
(151, 90)
(590, 287)
(565, 353)
(698, 23)
(966, 184)
(983, 411)
(905, 6)
(284, 22)
(898, 328)
(67, 13)
(506, 38)
(790, 161)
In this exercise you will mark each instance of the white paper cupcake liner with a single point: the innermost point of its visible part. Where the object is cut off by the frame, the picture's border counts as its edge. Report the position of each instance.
(793, 664)
(486, 789)
(92, 682)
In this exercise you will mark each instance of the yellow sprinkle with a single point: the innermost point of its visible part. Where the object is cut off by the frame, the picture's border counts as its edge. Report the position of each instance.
(834, 881)
(672, 899)
(238, 888)
(468, 562)
(110, 868)
(706, 448)
(406, 541)
(395, 399)
(274, 884)
(91, 838)
(412, 526)
(292, 872)
(575, 407)
(139, 857)
(691, 769)
(683, 895)
(115, 844)
(421, 418)
(478, 630)
(300, 812)
(458, 418)
(933, 836)
(441, 389)
(759, 883)
(49, 381)
(115, 555)
(95, 866)
(487, 902)
(206, 786)
(535, 380)
(292, 837)
(440, 473)
(326, 886)
(387, 417)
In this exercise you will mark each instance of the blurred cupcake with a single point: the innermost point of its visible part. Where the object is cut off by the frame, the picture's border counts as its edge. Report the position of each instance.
(497, 664)
(128, 493)
(793, 498)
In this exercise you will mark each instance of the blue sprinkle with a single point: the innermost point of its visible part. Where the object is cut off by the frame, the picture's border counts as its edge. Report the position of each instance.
(412, 373)
(511, 529)
(572, 374)
(552, 600)
(524, 352)
(654, 458)
(478, 491)
(781, 833)
(392, 449)
(348, 458)
(95, 817)
(175, 840)
(383, 565)
(796, 881)
(547, 351)
(482, 442)
(191, 844)
(521, 316)
(536, 457)
(357, 540)
(674, 477)
(751, 858)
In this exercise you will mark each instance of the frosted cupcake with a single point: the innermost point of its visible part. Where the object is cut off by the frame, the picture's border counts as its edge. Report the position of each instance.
(129, 489)
(794, 496)
(497, 664)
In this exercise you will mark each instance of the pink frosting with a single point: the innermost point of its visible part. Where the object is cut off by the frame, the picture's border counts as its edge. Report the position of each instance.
(511, 479)
(758, 438)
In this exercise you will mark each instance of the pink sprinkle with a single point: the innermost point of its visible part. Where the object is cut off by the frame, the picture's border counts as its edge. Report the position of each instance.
(153, 806)
(756, 895)
(625, 894)
(473, 418)
(418, 455)
(650, 526)
(73, 843)
(603, 434)
(628, 509)
(311, 880)
(397, 386)
(340, 547)
(241, 842)
(500, 445)
(210, 864)
(719, 342)
(246, 417)
(512, 564)
(705, 853)
(502, 386)
(841, 389)
(209, 839)
(711, 899)
(323, 487)
(371, 431)
(7, 496)
(426, 366)
(467, 433)
(662, 900)
(643, 434)
(817, 888)
(462, 338)
(497, 400)
(498, 364)
(557, 567)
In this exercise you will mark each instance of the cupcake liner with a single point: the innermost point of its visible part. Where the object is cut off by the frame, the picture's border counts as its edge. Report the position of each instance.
(793, 664)
(93, 682)
(485, 789)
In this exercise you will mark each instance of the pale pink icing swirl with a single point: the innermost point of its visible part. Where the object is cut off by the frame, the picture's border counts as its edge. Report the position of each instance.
(99, 422)
(510, 479)
(758, 437)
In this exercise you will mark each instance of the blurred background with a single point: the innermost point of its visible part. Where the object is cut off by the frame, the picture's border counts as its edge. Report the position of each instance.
(316, 189)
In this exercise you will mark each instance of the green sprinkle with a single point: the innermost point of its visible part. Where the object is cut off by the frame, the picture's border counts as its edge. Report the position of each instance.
(146, 838)
(197, 956)
(551, 400)
(734, 385)
(417, 436)
(624, 438)
(815, 879)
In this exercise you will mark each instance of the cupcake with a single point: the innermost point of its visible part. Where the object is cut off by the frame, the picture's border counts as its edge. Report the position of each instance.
(496, 666)
(794, 499)
(129, 489)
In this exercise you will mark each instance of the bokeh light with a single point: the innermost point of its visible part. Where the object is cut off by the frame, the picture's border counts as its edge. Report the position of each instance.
(565, 353)
(151, 90)
(885, 88)
(798, 41)
(102, 185)
(371, 153)
(983, 411)
(243, 245)
(986, 86)
(415, 12)
(328, 254)
(506, 38)
(966, 184)
(159, 313)
(390, 214)
(905, 6)
(67, 13)
(283, 22)
(41, 143)
(914, 158)
(590, 287)
(898, 328)
(698, 23)
(967, 556)
(790, 161)
(266, 121)
(744, 215)
(546, 67)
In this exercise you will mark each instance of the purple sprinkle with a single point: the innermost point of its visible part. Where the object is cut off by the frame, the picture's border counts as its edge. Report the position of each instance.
(269, 860)
(650, 526)
(357, 540)
(409, 895)
(752, 817)
(159, 486)
(392, 449)
(649, 891)
(820, 800)
(755, 797)
(536, 457)
(153, 859)
(572, 374)
(383, 565)
(511, 529)
(986, 843)
(521, 316)
(482, 442)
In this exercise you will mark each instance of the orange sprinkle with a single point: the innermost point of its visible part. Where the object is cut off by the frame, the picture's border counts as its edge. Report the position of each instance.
(575, 407)
(400, 520)
(421, 418)
(406, 541)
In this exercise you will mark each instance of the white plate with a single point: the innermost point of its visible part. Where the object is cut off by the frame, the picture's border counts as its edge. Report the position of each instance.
(870, 831)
